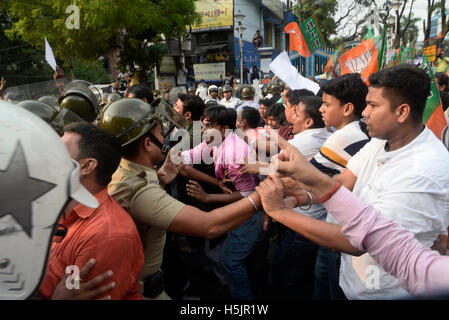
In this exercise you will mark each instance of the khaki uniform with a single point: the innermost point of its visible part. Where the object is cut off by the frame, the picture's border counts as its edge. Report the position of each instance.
(136, 188)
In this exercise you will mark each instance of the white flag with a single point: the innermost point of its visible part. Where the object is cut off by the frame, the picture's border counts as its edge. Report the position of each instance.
(49, 56)
(283, 68)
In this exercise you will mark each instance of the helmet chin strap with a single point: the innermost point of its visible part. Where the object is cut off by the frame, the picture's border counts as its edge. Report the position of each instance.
(164, 148)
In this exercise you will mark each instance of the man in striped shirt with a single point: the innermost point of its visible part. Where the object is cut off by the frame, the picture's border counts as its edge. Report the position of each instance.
(344, 99)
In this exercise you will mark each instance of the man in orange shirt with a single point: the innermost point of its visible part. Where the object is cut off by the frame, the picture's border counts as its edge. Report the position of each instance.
(107, 233)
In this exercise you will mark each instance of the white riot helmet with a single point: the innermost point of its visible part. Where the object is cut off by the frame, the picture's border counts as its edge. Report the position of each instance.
(213, 88)
(37, 180)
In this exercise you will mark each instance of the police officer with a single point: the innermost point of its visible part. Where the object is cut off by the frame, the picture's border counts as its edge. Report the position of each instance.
(76, 104)
(50, 100)
(228, 101)
(137, 187)
(276, 86)
(44, 111)
(247, 94)
(213, 94)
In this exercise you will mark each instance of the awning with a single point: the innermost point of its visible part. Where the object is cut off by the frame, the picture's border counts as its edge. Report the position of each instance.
(214, 46)
(205, 49)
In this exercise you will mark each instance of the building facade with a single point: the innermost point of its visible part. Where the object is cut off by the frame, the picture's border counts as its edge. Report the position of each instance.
(213, 47)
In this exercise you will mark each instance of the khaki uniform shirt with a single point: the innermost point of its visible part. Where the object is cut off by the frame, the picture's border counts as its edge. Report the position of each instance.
(136, 188)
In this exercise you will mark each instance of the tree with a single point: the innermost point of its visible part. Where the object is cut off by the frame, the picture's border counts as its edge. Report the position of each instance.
(324, 11)
(100, 23)
(93, 71)
(19, 62)
(412, 30)
(348, 26)
(401, 28)
(433, 6)
(352, 20)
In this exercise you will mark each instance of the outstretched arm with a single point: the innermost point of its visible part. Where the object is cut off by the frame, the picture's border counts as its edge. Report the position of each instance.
(195, 190)
(192, 221)
(419, 269)
(322, 233)
(197, 175)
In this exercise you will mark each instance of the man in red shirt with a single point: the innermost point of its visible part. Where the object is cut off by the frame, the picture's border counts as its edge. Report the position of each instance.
(107, 233)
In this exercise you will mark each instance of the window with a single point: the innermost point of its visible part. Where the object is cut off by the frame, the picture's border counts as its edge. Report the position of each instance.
(267, 34)
(277, 39)
(208, 38)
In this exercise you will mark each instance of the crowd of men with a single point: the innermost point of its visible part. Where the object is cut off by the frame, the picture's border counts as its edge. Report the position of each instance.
(244, 193)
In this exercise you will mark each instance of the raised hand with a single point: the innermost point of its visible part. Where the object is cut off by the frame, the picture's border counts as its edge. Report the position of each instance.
(2, 84)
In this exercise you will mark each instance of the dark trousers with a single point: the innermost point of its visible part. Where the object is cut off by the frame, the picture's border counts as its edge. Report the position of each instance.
(238, 245)
(292, 267)
(327, 270)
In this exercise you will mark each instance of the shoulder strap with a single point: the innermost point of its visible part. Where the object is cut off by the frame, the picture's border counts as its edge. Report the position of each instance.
(133, 193)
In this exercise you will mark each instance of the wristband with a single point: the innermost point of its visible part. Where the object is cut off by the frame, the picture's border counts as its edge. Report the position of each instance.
(335, 188)
(252, 202)
(298, 201)
(310, 200)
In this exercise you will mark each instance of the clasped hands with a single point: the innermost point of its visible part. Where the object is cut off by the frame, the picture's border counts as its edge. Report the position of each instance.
(294, 176)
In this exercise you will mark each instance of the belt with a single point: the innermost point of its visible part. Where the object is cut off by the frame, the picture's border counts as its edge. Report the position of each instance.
(153, 285)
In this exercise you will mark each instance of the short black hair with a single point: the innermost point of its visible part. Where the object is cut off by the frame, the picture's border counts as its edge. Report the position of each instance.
(266, 102)
(140, 91)
(348, 88)
(312, 110)
(252, 116)
(99, 144)
(294, 96)
(404, 83)
(443, 79)
(219, 114)
(277, 110)
(193, 104)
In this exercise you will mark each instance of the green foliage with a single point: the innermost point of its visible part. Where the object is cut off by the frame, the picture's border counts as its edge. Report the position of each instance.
(93, 72)
(324, 11)
(19, 62)
(101, 22)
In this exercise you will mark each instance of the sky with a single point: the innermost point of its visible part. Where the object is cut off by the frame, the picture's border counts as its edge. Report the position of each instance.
(419, 10)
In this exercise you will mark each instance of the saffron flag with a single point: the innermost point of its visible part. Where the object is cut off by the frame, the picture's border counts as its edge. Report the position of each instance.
(297, 41)
(366, 58)
(433, 117)
(333, 60)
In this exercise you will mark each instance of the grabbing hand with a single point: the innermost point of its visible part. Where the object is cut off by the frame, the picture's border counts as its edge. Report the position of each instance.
(291, 163)
(271, 192)
(88, 290)
(222, 185)
(195, 190)
(252, 168)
